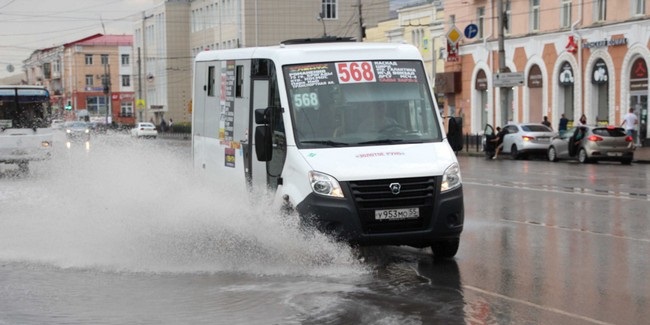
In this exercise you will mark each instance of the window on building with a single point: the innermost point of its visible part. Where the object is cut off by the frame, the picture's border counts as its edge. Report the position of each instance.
(417, 37)
(534, 15)
(638, 7)
(480, 19)
(508, 17)
(565, 14)
(600, 7)
(126, 80)
(89, 59)
(89, 80)
(47, 70)
(452, 20)
(126, 59)
(328, 9)
(126, 109)
(104, 59)
(96, 105)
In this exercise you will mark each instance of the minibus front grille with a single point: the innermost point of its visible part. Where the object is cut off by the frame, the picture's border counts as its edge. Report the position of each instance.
(373, 195)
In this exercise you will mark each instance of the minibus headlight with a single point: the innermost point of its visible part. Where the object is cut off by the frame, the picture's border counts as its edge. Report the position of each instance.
(451, 178)
(324, 184)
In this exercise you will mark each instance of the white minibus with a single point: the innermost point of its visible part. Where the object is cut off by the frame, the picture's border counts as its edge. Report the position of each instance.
(347, 136)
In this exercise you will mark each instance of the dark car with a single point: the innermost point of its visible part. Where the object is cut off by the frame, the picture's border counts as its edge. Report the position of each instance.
(77, 131)
(592, 144)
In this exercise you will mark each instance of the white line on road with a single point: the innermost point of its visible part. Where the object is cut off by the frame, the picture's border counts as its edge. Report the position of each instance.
(551, 309)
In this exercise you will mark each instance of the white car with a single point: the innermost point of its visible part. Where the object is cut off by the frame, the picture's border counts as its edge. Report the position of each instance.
(144, 130)
(525, 139)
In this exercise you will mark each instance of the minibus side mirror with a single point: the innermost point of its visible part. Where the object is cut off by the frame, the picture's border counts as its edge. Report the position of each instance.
(263, 143)
(262, 116)
(455, 133)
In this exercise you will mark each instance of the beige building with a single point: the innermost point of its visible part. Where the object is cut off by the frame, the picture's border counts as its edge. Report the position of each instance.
(169, 35)
(90, 77)
(423, 27)
(575, 56)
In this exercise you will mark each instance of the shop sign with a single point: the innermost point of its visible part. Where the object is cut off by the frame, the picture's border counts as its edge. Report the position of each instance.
(599, 74)
(448, 83)
(481, 81)
(605, 43)
(535, 78)
(639, 75)
(452, 52)
(566, 78)
(572, 46)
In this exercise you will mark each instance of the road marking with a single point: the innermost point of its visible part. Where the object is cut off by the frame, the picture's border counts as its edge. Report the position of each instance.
(530, 223)
(530, 304)
(567, 190)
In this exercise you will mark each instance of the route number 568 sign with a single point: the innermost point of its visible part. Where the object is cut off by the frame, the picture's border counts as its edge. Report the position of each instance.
(354, 72)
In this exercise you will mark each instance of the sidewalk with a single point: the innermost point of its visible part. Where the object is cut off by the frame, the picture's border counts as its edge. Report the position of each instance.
(641, 154)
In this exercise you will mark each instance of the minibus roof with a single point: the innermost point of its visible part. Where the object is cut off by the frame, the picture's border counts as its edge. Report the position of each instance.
(317, 52)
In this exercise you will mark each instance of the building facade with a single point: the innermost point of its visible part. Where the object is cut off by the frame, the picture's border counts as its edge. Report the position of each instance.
(575, 56)
(169, 35)
(422, 26)
(88, 79)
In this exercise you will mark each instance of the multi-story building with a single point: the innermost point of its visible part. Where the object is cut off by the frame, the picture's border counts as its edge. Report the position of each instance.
(169, 35)
(576, 56)
(90, 77)
(421, 25)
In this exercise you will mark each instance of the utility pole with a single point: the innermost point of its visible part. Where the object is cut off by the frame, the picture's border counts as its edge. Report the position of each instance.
(139, 87)
(503, 91)
(360, 38)
(107, 88)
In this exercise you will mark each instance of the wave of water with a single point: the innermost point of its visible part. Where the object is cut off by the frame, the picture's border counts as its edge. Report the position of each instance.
(137, 206)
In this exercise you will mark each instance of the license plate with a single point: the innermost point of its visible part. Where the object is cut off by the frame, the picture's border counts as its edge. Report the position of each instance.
(614, 154)
(397, 214)
(543, 140)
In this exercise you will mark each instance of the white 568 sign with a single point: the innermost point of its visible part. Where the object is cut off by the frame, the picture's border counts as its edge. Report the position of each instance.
(354, 72)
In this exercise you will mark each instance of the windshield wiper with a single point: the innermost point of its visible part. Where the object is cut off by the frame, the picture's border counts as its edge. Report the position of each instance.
(382, 141)
(327, 143)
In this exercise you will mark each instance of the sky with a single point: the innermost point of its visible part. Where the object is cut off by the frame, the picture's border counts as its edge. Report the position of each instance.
(29, 25)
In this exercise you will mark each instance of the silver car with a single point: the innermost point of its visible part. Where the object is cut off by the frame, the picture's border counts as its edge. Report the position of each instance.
(592, 143)
(524, 139)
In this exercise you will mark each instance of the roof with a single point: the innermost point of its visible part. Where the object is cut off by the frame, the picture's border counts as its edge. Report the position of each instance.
(100, 39)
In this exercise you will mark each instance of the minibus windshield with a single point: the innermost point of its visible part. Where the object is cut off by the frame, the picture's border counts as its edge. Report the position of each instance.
(360, 103)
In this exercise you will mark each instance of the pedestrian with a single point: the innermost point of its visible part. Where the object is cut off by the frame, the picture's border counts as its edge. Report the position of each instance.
(564, 122)
(583, 120)
(630, 120)
(171, 125)
(163, 125)
(546, 122)
(499, 141)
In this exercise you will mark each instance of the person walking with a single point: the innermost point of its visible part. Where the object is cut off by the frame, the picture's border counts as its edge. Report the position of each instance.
(546, 122)
(171, 125)
(630, 121)
(564, 122)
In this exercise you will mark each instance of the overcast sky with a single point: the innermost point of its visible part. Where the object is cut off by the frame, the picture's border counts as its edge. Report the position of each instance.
(29, 25)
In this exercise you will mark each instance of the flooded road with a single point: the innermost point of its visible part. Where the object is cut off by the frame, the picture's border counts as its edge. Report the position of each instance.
(124, 233)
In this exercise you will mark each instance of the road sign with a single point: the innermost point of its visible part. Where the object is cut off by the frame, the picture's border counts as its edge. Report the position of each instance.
(508, 79)
(139, 103)
(471, 31)
(454, 35)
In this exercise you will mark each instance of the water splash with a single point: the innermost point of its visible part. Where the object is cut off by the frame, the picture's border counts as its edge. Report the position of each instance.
(137, 206)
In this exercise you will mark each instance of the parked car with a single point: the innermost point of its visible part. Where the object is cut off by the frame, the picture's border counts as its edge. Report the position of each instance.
(77, 131)
(598, 143)
(144, 130)
(524, 139)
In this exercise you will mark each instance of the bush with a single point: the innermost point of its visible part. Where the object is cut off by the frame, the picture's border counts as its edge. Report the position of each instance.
(182, 127)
